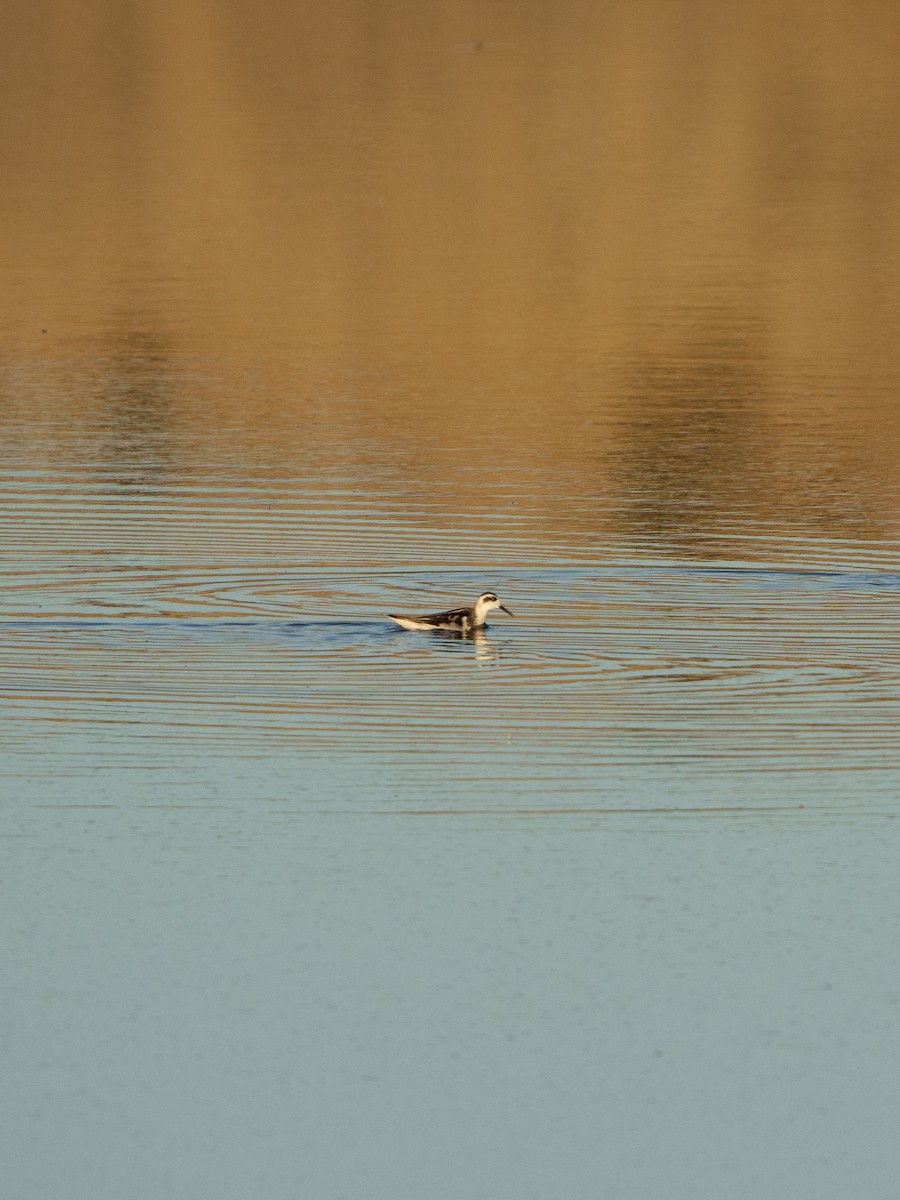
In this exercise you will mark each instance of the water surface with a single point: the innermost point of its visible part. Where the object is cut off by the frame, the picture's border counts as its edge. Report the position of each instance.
(312, 315)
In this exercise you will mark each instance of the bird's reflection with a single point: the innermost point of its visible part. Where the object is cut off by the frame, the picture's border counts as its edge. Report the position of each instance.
(486, 650)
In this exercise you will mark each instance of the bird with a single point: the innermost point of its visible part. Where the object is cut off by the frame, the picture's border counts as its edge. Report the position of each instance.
(459, 620)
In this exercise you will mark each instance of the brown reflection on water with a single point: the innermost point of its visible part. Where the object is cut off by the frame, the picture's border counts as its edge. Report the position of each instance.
(135, 399)
(655, 242)
(694, 436)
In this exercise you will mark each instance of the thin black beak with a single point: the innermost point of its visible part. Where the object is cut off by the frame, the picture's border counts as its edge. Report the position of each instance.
(503, 608)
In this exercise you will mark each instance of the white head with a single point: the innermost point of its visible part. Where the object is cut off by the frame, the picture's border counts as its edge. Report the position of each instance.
(485, 603)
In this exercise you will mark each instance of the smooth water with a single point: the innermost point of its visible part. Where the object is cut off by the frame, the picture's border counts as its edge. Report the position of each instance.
(313, 315)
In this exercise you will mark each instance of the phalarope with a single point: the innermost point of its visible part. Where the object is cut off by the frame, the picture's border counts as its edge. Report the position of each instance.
(460, 620)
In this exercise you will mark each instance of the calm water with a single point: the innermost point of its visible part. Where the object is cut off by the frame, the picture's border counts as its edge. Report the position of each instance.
(310, 316)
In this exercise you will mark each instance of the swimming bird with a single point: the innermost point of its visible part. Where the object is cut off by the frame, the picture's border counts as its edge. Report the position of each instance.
(460, 620)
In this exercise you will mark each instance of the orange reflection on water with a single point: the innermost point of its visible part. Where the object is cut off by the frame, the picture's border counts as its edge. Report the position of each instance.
(644, 241)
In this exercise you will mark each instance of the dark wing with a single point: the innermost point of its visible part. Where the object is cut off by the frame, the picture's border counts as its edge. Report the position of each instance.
(452, 614)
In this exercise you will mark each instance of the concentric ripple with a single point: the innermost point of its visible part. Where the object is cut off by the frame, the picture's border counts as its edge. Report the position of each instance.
(231, 627)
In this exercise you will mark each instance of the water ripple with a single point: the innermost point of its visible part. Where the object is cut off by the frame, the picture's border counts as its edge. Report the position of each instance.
(236, 619)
